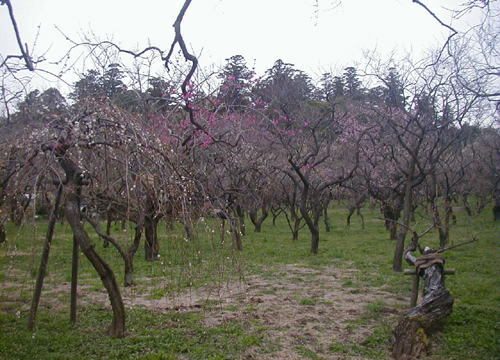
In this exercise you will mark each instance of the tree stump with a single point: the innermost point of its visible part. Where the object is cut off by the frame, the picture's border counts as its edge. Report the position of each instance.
(411, 334)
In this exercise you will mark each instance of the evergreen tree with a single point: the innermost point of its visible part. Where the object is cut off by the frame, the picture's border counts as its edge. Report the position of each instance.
(351, 84)
(393, 91)
(236, 82)
(285, 87)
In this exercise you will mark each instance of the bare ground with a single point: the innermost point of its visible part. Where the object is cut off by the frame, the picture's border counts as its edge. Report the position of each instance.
(302, 310)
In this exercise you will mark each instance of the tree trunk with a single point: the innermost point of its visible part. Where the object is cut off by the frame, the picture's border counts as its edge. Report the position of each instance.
(72, 213)
(351, 211)
(397, 261)
(109, 222)
(3, 234)
(444, 232)
(314, 241)
(74, 180)
(129, 259)
(151, 245)
(391, 213)
(44, 261)
(465, 202)
(240, 214)
(410, 335)
(257, 221)
(276, 212)
(326, 219)
(496, 212)
(362, 219)
(237, 242)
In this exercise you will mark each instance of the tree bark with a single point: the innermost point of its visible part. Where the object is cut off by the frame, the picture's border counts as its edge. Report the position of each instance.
(326, 219)
(240, 214)
(237, 242)
(44, 261)
(314, 241)
(3, 234)
(74, 180)
(128, 255)
(397, 262)
(151, 245)
(129, 259)
(411, 334)
(257, 221)
(72, 213)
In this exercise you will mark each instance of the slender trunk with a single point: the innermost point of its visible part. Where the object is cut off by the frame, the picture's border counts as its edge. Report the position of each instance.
(496, 212)
(129, 259)
(188, 229)
(397, 263)
(44, 261)
(351, 211)
(362, 219)
(465, 202)
(326, 219)
(109, 222)
(127, 256)
(3, 234)
(240, 214)
(237, 242)
(391, 213)
(222, 229)
(276, 213)
(444, 232)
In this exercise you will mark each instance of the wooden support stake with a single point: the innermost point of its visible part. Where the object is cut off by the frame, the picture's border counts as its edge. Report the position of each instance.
(414, 290)
(74, 282)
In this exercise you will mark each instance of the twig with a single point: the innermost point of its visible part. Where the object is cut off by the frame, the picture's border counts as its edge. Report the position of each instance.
(454, 246)
(448, 40)
(416, 236)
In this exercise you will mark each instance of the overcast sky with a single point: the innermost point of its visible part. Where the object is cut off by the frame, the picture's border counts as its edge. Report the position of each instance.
(313, 35)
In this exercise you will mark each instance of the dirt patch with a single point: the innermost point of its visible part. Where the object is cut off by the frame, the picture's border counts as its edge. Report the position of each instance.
(296, 309)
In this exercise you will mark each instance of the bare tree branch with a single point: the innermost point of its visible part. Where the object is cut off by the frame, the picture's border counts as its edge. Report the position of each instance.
(24, 49)
(454, 32)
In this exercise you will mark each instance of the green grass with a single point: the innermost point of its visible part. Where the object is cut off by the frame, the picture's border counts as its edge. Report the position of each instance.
(151, 335)
(471, 332)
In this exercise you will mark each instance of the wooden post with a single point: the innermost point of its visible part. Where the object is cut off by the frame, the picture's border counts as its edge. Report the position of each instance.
(416, 281)
(414, 290)
(74, 282)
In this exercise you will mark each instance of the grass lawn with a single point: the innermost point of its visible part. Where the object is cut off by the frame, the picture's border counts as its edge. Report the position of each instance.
(274, 300)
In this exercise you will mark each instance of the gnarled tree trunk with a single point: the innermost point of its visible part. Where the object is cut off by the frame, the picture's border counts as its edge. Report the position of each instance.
(74, 181)
(72, 212)
(410, 335)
